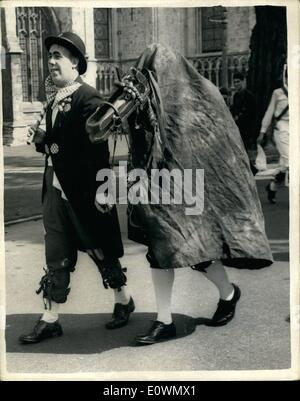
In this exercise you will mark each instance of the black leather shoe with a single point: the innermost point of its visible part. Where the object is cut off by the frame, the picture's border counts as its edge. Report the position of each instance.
(158, 332)
(120, 315)
(42, 331)
(271, 194)
(225, 310)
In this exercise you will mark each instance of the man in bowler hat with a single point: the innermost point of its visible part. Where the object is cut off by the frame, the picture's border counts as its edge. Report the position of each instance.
(72, 219)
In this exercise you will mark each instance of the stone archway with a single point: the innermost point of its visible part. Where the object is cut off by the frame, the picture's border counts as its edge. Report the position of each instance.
(33, 25)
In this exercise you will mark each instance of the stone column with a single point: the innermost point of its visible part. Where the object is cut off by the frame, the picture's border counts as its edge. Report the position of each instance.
(191, 25)
(252, 20)
(82, 20)
(168, 27)
(224, 25)
(115, 35)
(78, 20)
(91, 74)
(155, 25)
(14, 130)
(64, 17)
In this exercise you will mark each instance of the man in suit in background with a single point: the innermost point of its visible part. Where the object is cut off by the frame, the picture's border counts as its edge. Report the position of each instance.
(243, 111)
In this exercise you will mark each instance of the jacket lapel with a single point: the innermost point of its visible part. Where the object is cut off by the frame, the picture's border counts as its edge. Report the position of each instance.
(60, 115)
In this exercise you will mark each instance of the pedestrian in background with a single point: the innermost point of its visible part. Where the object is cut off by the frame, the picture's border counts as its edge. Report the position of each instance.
(277, 117)
(243, 110)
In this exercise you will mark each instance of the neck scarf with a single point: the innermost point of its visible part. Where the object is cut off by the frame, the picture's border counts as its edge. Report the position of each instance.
(58, 94)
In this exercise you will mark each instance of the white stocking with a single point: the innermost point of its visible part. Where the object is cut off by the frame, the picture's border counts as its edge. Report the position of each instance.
(163, 284)
(216, 273)
(122, 297)
(51, 316)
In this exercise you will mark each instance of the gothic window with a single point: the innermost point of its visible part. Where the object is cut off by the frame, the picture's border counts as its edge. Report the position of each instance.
(32, 27)
(102, 18)
(211, 28)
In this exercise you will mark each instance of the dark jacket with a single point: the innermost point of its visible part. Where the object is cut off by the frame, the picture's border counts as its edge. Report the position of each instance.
(76, 165)
(244, 113)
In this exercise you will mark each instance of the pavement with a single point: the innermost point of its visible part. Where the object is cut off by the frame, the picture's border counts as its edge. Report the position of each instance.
(257, 339)
(23, 168)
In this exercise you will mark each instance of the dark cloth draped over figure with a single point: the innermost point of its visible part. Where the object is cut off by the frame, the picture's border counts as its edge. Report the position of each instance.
(197, 132)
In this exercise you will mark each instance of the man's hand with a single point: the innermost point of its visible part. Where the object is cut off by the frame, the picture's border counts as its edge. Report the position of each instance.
(104, 203)
(37, 133)
(260, 138)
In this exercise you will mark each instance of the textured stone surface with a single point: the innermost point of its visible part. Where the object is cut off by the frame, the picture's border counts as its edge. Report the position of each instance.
(171, 28)
(65, 17)
(241, 21)
(135, 31)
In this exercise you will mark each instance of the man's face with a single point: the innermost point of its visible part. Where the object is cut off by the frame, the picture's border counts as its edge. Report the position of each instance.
(62, 65)
(238, 84)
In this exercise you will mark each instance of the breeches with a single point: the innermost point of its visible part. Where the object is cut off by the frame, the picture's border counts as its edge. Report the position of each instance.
(64, 235)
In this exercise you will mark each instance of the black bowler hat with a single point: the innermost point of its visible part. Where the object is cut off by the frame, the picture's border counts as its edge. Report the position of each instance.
(72, 42)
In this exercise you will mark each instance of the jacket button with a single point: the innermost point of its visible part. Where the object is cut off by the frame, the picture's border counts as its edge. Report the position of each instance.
(54, 148)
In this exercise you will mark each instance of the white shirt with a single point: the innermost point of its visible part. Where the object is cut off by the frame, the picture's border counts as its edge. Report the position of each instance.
(278, 102)
(55, 181)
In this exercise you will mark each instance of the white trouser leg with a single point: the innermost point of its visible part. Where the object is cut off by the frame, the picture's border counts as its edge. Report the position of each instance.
(281, 139)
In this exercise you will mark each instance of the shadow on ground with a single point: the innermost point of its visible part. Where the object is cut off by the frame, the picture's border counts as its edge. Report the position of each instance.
(86, 334)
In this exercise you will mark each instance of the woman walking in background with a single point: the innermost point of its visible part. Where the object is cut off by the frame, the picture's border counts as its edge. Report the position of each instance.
(278, 113)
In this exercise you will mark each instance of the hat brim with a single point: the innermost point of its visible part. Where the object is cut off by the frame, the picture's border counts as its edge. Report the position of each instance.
(54, 40)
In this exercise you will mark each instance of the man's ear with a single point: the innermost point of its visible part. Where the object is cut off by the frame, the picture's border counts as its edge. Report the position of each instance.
(75, 62)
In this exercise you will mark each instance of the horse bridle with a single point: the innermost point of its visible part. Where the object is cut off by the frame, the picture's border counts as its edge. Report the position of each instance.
(129, 85)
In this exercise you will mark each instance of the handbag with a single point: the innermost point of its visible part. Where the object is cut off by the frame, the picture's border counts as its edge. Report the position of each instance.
(261, 159)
